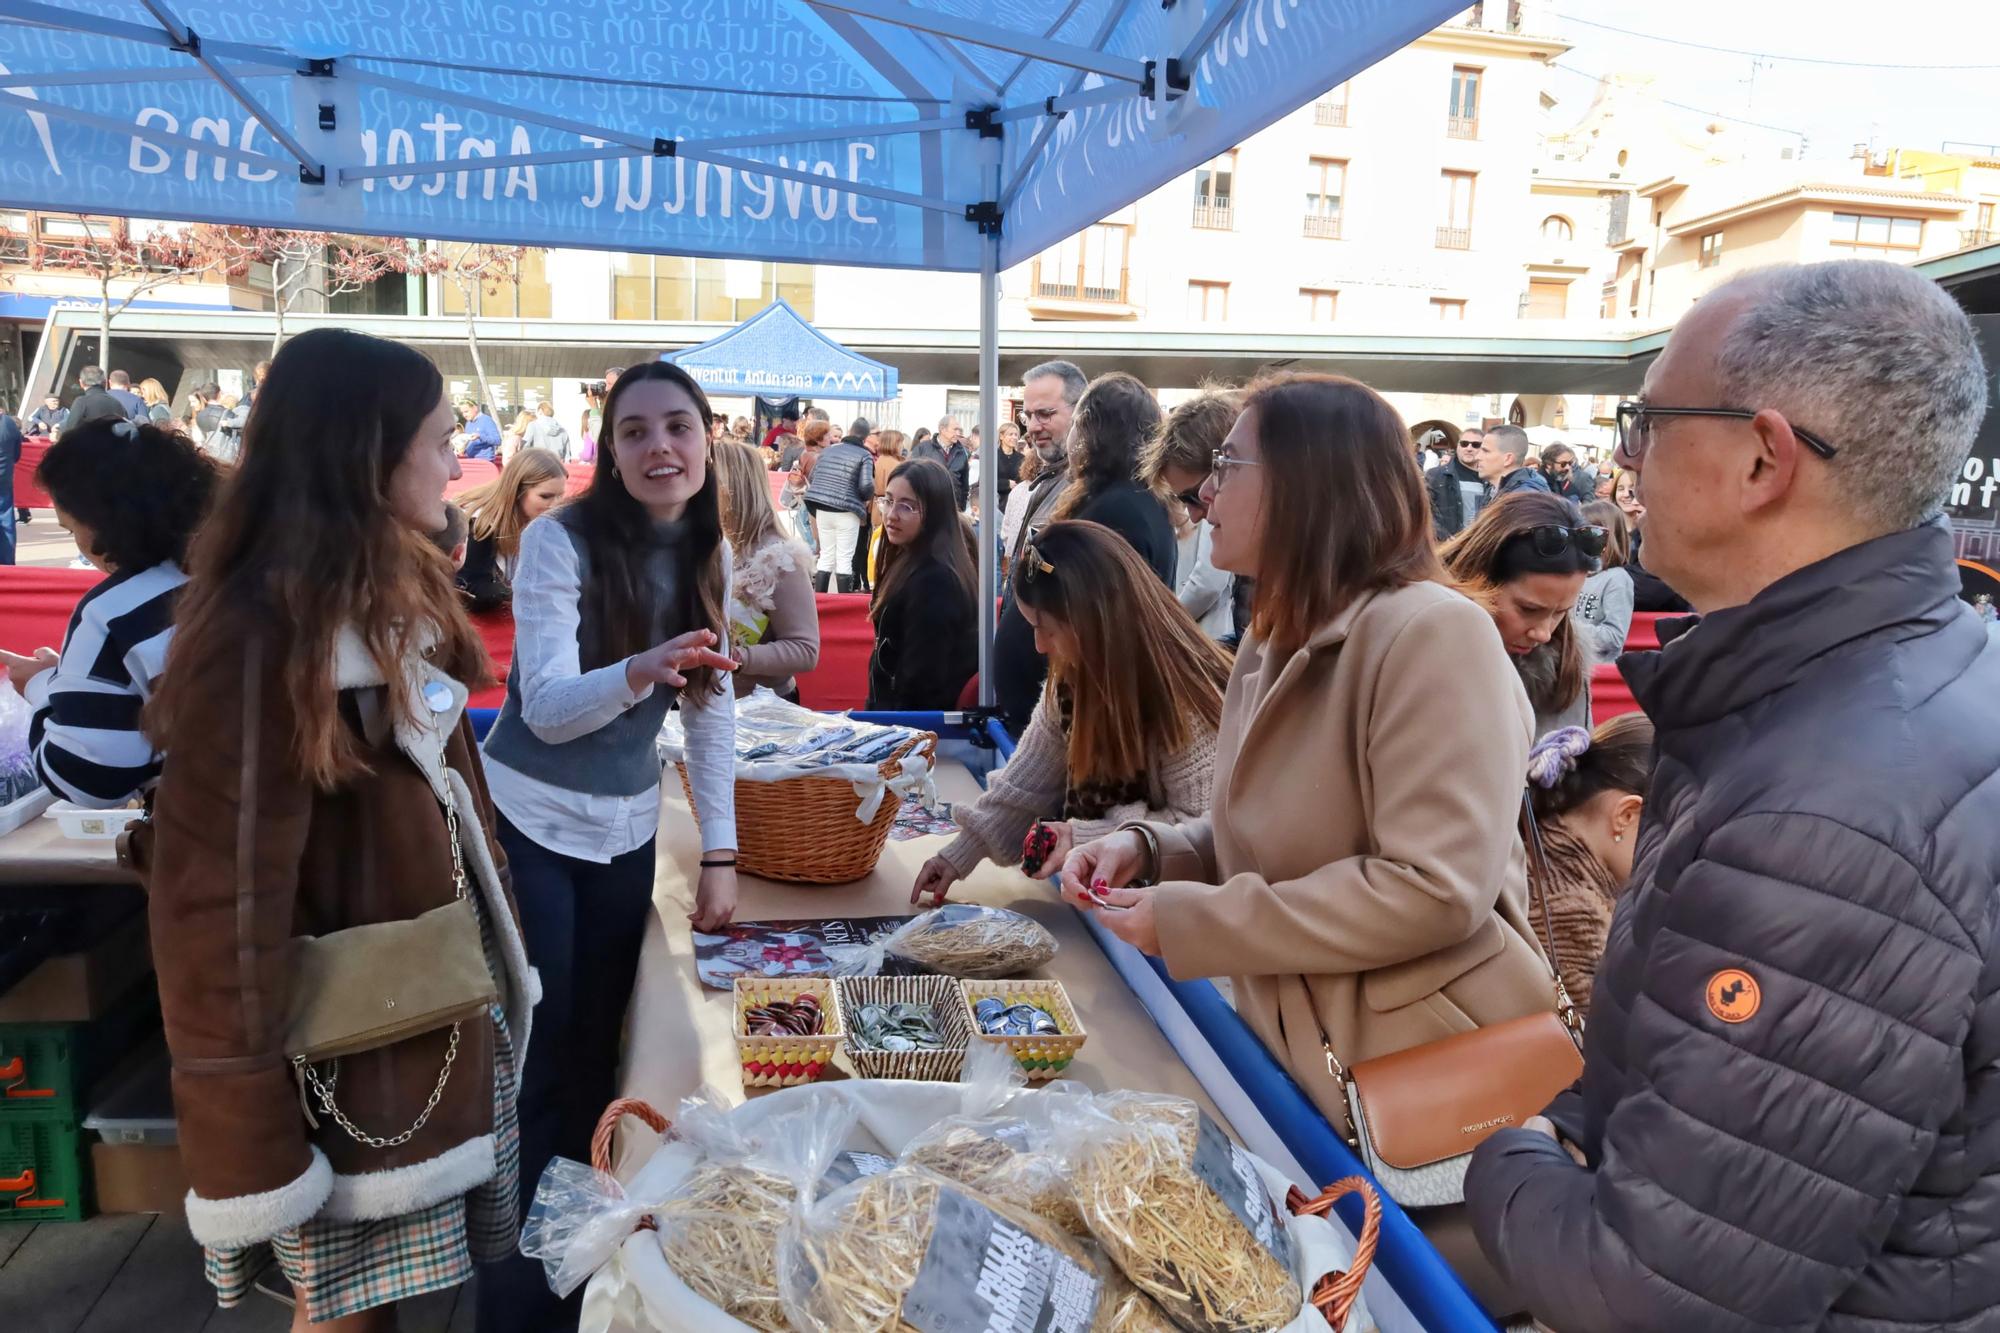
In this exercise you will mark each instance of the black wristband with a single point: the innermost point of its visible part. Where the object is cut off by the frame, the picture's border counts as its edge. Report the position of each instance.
(707, 864)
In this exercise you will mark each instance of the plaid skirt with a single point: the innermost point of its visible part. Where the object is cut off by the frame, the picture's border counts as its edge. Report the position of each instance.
(341, 1268)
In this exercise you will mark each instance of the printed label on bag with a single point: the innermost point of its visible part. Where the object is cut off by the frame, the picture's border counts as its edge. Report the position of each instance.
(849, 1167)
(983, 1274)
(1228, 1170)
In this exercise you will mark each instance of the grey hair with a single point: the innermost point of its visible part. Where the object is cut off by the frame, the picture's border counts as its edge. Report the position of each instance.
(1072, 379)
(1876, 360)
(1509, 440)
(90, 376)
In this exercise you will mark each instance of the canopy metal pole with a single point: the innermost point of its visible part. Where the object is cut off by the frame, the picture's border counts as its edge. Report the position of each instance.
(989, 431)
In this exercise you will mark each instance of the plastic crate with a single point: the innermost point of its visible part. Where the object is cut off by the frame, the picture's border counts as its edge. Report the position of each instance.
(135, 1102)
(47, 1069)
(41, 1172)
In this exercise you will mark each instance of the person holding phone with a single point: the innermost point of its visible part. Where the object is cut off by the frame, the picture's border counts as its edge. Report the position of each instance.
(620, 601)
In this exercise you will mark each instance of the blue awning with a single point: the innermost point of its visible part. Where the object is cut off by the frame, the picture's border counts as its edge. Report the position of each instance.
(23, 305)
(888, 133)
(779, 355)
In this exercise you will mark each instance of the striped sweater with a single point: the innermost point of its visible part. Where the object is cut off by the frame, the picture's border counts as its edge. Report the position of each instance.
(86, 734)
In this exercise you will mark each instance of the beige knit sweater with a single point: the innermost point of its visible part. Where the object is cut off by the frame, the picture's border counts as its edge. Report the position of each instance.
(1031, 786)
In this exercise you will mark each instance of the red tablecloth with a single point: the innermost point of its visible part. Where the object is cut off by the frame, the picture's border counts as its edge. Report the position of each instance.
(35, 607)
(28, 493)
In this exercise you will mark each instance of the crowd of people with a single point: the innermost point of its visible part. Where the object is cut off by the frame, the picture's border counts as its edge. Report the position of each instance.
(1292, 710)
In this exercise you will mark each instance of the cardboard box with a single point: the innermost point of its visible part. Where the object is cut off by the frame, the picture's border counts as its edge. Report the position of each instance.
(139, 1178)
(87, 984)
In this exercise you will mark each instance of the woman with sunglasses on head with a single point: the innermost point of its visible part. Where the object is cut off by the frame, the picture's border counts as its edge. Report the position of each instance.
(1178, 461)
(1126, 726)
(925, 609)
(533, 482)
(620, 603)
(1360, 876)
(1525, 559)
(321, 778)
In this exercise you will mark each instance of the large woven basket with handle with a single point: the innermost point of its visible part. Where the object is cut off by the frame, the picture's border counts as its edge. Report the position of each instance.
(804, 830)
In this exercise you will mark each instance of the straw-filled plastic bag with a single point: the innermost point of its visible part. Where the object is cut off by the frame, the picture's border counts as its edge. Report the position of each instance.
(1000, 1145)
(956, 940)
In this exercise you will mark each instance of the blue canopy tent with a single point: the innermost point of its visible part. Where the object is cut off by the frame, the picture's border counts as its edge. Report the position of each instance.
(778, 355)
(960, 135)
(957, 135)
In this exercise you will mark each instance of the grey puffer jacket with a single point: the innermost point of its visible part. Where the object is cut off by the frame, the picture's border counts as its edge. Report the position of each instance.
(1790, 1105)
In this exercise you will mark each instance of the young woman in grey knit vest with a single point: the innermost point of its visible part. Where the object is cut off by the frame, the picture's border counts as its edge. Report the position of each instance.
(1125, 729)
(619, 600)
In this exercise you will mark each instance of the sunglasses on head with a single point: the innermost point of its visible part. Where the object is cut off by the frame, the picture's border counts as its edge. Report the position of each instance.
(1551, 540)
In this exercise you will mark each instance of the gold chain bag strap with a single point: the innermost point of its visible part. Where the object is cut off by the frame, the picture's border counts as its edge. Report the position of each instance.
(1415, 1116)
(372, 986)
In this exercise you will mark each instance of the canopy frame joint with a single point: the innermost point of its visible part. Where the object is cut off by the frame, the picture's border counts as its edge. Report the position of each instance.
(664, 147)
(1178, 80)
(986, 215)
(984, 119)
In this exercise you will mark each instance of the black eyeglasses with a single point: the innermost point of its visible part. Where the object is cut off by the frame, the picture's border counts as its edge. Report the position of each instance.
(1551, 540)
(1635, 432)
(1191, 497)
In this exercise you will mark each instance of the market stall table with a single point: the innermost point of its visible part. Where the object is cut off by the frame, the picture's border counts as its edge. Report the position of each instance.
(680, 1035)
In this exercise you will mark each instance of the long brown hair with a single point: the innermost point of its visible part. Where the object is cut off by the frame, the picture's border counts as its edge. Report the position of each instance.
(1344, 508)
(302, 542)
(940, 538)
(1495, 550)
(617, 531)
(1618, 545)
(748, 519)
(1115, 421)
(1145, 674)
(495, 508)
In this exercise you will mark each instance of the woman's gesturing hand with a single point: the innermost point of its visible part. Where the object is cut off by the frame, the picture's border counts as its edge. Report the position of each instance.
(22, 668)
(1114, 860)
(663, 665)
(714, 898)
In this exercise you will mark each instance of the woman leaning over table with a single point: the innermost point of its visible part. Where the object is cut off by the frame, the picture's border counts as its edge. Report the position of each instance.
(1359, 875)
(313, 719)
(620, 602)
(1126, 725)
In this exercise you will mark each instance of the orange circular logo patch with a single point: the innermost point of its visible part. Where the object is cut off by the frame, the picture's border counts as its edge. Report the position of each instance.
(1733, 996)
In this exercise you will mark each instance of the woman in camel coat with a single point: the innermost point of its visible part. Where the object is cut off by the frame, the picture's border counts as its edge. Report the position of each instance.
(1360, 877)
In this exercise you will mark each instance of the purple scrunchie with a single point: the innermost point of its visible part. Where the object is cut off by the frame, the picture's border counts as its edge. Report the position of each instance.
(1554, 756)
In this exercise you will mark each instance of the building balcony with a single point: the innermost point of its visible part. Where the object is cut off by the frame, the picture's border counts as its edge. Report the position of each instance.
(1461, 127)
(1330, 113)
(1214, 214)
(1454, 238)
(1079, 293)
(1323, 226)
(1971, 237)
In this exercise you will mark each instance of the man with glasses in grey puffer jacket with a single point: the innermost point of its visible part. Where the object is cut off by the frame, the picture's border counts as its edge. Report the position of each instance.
(1789, 1116)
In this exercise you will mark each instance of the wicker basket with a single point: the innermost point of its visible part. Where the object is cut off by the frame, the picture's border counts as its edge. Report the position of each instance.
(1039, 1057)
(784, 1062)
(945, 1000)
(803, 830)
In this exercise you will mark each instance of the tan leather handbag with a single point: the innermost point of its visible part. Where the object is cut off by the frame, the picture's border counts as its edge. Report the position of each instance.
(372, 986)
(1415, 1116)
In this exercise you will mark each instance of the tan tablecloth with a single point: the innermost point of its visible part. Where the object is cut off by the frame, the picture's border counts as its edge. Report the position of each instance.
(679, 1033)
(38, 853)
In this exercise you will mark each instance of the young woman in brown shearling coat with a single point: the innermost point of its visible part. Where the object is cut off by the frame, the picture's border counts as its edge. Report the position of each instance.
(314, 722)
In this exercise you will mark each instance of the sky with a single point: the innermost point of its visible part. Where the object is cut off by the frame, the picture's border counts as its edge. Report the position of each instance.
(1833, 106)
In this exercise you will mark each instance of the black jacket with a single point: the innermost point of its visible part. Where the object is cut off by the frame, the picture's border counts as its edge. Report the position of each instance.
(958, 462)
(926, 644)
(1649, 591)
(484, 586)
(1129, 510)
(1448, 516)
(95, 405)
(1791, 1092)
